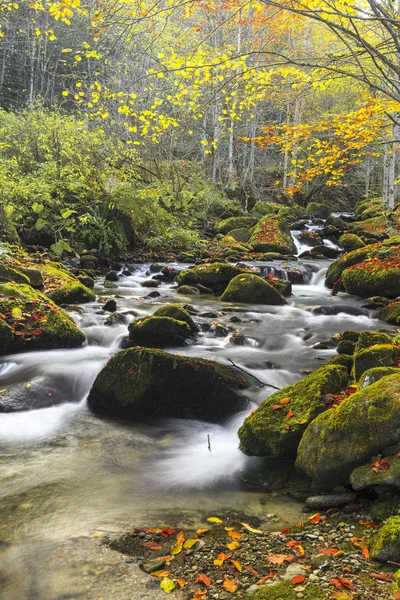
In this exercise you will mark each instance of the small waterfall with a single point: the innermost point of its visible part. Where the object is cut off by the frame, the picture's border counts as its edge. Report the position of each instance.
(318, 279)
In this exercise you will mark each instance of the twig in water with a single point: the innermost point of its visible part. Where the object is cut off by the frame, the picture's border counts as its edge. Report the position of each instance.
(209, 441)
(254, 377)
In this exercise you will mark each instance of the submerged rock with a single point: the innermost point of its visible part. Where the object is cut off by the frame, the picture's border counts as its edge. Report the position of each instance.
(36, 323)
(158, 331)
(251, 289)
(276, 427)
(142, 383)
(330, 500)
(342, 438)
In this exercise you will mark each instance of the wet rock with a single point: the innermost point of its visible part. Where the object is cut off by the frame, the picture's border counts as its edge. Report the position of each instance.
(386, 544)
(142, 383)
(115, 319)
(151, 283)
(86, 281)
(272, 234)
(335, 309)
(329, 501)
(346, 347)
(326, 251)
(111, 276)
(378, 355)
(350, 241)
(189, 290)
(337, 222)
(375, 302)
(169, 273)
(339, 440)
(153, 295)
(127, 272)
(248, 288)
(110, 306)
(373, 375)
(176, 311)
(62, 287)
(315, 209)
(88, 261)
(227, 225)
(283, 286)
(269, 431)
(390, 313)
(210, 274)
(311, 238)
(155, 268)
(110, 285)
(366, 477)
(158, 331)
(40, 392)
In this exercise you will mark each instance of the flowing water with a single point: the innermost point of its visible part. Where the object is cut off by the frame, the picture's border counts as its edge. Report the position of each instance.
(65, 472)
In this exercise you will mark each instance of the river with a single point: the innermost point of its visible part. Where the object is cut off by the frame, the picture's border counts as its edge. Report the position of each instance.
(65, 473)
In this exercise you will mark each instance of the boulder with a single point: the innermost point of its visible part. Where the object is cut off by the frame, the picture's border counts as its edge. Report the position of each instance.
(385, 546)
(251, 289)
(315, 209)
(337, 222)
(153, 332)
(276, 427)
(151, 283)
(311, 238)
(283, 286)
(272, 234)
(267, 208)
(379, 355)
(326, 251)
(62, 287)
(345, 437)
(336, 309)
(390, 313)
(110, 306)
(210, 274)
(31, 321)
(375, 374)
(346, 347)
(228, 225)
(377, 275)
(188, 290)
(240, 235)
(141, 383)
(375, 302)
(350, 241)
(369, 476)
(111, 276)
(368, 338)
(176, 311)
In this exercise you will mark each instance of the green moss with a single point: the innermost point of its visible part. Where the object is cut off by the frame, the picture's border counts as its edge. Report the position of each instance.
(342, 438)
(350, 241)
(373, 375)
(188, 290)
(346, 360)
(267, 208)
(111, 276)
(62, 287)
(251, 289)
(369, 338)
(176, 311)
(314, 209)
(8, 273)
(187, 277)
(363, 478)
(6, 335)
(234, 223)
(390, 313)
(378, 355)
(265, 432)
(383, 508)
(272, 234)
(42, 326)
(283, 286)
(158, 331)
(217, 273)
(143, 383)
(363, 281)
(351, 258)
(240, 235)
(386, 543)
(350, 334)
(285, 590)
(346, 347)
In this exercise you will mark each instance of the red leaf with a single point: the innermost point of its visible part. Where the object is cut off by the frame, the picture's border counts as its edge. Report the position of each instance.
(167, 532)
(298, 579)
(203, 579)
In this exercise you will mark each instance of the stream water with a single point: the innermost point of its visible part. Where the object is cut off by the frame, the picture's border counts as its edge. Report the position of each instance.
(65, 472)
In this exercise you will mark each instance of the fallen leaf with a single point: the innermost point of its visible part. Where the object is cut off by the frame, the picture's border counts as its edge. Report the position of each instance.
(315, 518)
(284, 400)
(202, 531)
(151, 545)
(269, 577)
(328, 551)
(397, 596)
(189, 543)
(380, 465)
(341, 596)
(96, 534)
(356, 541)
(276, 406)
(342, 583)
(369, 524)
(284, 531)
(180, 538)
(16, 313)
(382, 576)
(279, 559)
(235, 535)
(200, 594)
(203, 579)
(160, 573)
(214, 520)
(298, 579)
(365, 552)
(250, 569)
(2, 391)
(237, 564)
(290, 414)
(249, 528)
(167, 532)
(233, 545)
(181, 582)
(167, 585)
(229, 585)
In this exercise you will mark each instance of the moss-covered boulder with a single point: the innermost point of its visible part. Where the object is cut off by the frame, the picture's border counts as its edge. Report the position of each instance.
(31, 321)
(310, 238)
(315, 209)
(228, 225)
(240, 235)
(187, 277)
(111, 276)
(370, 476)
(390, 313)
(350, 241)
(62, 287)
(276, 427)
(176, 311)
(368, 338)
(272, 234)
(210, 274)
(155, 332)
(267, 208)
(385, 546)
(283, 286)
(346, 347)
(373, 375)
(188, 290)
(379, 355)
(345, 437)
(251, 289)
(144, 384)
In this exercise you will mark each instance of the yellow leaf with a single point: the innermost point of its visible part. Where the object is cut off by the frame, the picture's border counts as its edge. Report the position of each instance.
(167, 585)
(65, 93)
(177, 548)
(160, 573)
(214, 520)
(189, 543)
(237, 564)
(16, 313)
(2, 391)
(96, 534)
(233, 545)
(201, 531)
(249, 528)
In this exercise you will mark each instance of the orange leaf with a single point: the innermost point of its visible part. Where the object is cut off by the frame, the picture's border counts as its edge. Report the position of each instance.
(369, 524)
(180, 538)
(328, 551)
(341, 583)
(276, 406)
(237, 564)
(279, 559)
(397, 596)
(284, 400)
(382, 576)
(167, 532)
(284, 531)
(233, 545)
(229, 585)
(249, 528)
(181, 582)
(203, 579)
(290, 414)
(235, 535)
(151, 546)
(202, 531)
(365, 552)
(298, 579)
(315, 518)
(250, 569)
(200, 594)
(266, 578)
